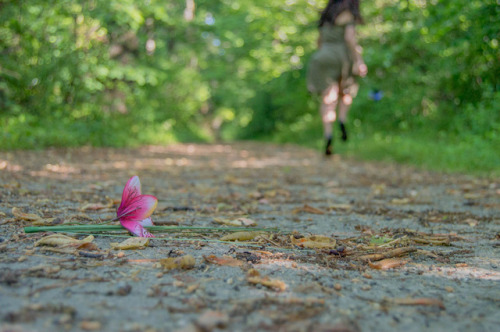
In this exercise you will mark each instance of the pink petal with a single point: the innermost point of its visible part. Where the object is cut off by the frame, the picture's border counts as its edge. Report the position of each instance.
(132, 190)
(139, 208)
(146, 222)
(135, 228)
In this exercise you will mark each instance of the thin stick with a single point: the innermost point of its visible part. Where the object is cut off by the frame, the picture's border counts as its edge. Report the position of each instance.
(389, 254)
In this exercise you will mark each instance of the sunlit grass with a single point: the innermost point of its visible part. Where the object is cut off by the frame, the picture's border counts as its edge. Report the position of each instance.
(444, 155)
(448, 154)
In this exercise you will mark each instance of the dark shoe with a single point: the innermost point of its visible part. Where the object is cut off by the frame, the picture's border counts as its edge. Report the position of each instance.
(344, 131)
(329, 147)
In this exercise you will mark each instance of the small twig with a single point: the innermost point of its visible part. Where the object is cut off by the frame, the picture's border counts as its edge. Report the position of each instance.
(435, 241)
(418, 301)
(389, 254)
(269, 240)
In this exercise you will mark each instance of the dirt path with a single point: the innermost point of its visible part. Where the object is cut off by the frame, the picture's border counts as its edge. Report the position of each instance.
(446, 228)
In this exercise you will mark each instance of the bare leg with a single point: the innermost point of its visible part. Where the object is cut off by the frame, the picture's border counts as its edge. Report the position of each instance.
(344, 106)
(329, 100)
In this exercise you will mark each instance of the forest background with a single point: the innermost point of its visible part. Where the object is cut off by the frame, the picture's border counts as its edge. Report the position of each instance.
(125, 73)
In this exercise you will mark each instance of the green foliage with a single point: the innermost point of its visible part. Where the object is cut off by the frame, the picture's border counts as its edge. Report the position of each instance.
(128, 72)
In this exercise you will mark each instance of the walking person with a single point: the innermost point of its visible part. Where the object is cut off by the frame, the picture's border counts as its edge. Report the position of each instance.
(333, 67)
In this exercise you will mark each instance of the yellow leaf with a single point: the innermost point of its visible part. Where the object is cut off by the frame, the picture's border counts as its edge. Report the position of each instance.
(472, 196)
(471, 222)
(95, 206)
(184, 262)
(24, 216)
(131, 244)
(309, 209)
(60, 240)
(254, 277)
(378, 189)
(340, 207)
(314, 242)
(400, 201)
(388, 263)
(236, 222)
(48, 222)
(240, 236)
(226, 260)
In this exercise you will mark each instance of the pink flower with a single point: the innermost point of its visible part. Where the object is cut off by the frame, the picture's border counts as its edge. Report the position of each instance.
(135, 210)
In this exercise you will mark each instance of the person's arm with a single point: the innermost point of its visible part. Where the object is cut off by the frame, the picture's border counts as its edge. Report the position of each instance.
(359, 67)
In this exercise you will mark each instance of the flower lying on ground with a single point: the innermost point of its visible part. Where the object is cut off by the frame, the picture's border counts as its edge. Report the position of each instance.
(135, 210)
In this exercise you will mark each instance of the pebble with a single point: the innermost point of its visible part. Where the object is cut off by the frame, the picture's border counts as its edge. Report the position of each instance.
(211, 319)
(123, 289)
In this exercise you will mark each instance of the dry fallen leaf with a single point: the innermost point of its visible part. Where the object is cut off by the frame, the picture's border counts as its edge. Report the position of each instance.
(24, 216)
(400, 201)
(309, 209)
(236, 222)
(276, 192)
(95, 206)
(226, 260)
(314, 242)
(419, 301)
(90, 325)
(254, 277)
(131, 244)
(336, 207)
(388, 263)
(240, 236)
(471, 222)
(60, 240)
(48, 221)
(378, 189)
(87, 246)
(255, 195)
(472, 196)
(184, 262)
(388, 254)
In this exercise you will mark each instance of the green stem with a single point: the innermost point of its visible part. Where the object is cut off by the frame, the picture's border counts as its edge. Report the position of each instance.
(111, 228)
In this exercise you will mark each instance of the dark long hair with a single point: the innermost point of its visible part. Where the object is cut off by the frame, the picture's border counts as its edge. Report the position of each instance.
(335, 7)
